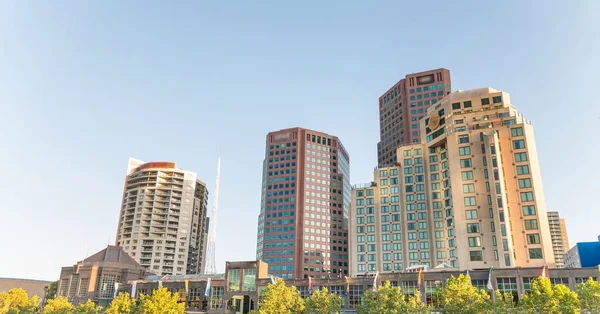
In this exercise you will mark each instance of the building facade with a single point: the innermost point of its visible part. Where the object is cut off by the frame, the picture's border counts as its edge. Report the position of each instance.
(583, 254)
(162, 222)
(96, 277)
(302, 225)
(469, 195)
(560, 238)
(239, 289)
(31, 286)
(403, 105)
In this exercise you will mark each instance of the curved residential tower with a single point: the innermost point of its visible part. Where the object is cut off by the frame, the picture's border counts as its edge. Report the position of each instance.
(162, 218)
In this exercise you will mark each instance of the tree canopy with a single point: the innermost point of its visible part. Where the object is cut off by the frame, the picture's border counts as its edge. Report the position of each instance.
(16, 301)
(323, 302)
(550, 299)
(589, 296)
(50, 290)
(122, 304)
(59, 305)
(88, 308)
(459, 296)
(390, 300)
(161, 301)
(280, 299)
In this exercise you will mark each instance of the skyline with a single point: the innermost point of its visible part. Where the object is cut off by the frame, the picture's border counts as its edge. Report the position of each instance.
(70, 93)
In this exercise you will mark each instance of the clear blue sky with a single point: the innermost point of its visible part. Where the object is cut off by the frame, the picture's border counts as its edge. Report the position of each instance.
(84, 85)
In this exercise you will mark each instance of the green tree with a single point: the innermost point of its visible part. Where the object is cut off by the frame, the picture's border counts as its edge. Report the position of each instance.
(50, 290)
(390, 300)
(162, 301)
(59, 305)
(459, 296)
(280, 299)
(550, 299)
(504, 304)
(589, 296)
(323, 302)
(122, 304)
(16, 301)
(88, 308)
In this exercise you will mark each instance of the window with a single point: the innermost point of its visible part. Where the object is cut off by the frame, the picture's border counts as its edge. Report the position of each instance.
(520, 157)
(524, 183)
(463, 138)
(497, 99)
(471, 214)
(464, 151)
(516, 131)
(473, 228)
(518, 144)
(465, 163)
(485, 101)
(522, 170)
(533, 238)
(535, 253)
(467, 175)
(467, 104)
(474, 242)
(470, 201)
(526, 196)
(233, 280)
(528, 210)
(455, 105)
(476, 256)
(531, 224)
(469, 188)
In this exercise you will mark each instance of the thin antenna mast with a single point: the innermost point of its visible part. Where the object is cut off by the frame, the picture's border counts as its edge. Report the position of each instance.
(212, 228)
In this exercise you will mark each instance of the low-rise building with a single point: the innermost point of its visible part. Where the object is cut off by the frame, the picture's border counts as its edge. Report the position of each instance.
(31, 286)
(583, 254)
(97, 276)
(239, 289)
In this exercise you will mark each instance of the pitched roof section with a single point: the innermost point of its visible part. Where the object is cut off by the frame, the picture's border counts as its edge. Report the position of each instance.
(112, 253)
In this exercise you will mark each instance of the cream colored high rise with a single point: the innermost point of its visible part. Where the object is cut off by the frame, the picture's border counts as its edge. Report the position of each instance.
(470, 195)
(560, 239)
(162, 221)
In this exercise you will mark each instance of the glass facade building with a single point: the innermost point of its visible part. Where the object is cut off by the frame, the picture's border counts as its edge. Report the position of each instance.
(302, 225)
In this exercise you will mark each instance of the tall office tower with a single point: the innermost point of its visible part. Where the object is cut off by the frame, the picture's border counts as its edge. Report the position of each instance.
(403, 105)
(560, 238)
(302, 225)
(469, 195)
(162, 222)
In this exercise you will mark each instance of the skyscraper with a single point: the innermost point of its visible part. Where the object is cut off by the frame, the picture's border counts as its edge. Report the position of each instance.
(302, 225)
(162, 222)
(560, 238)
(469, 195)
(403, 105)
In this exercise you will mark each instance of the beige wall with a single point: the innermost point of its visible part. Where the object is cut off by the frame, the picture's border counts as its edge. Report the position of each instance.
(33, 287)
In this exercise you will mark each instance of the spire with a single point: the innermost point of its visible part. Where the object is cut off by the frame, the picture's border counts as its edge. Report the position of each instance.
(212, 228)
